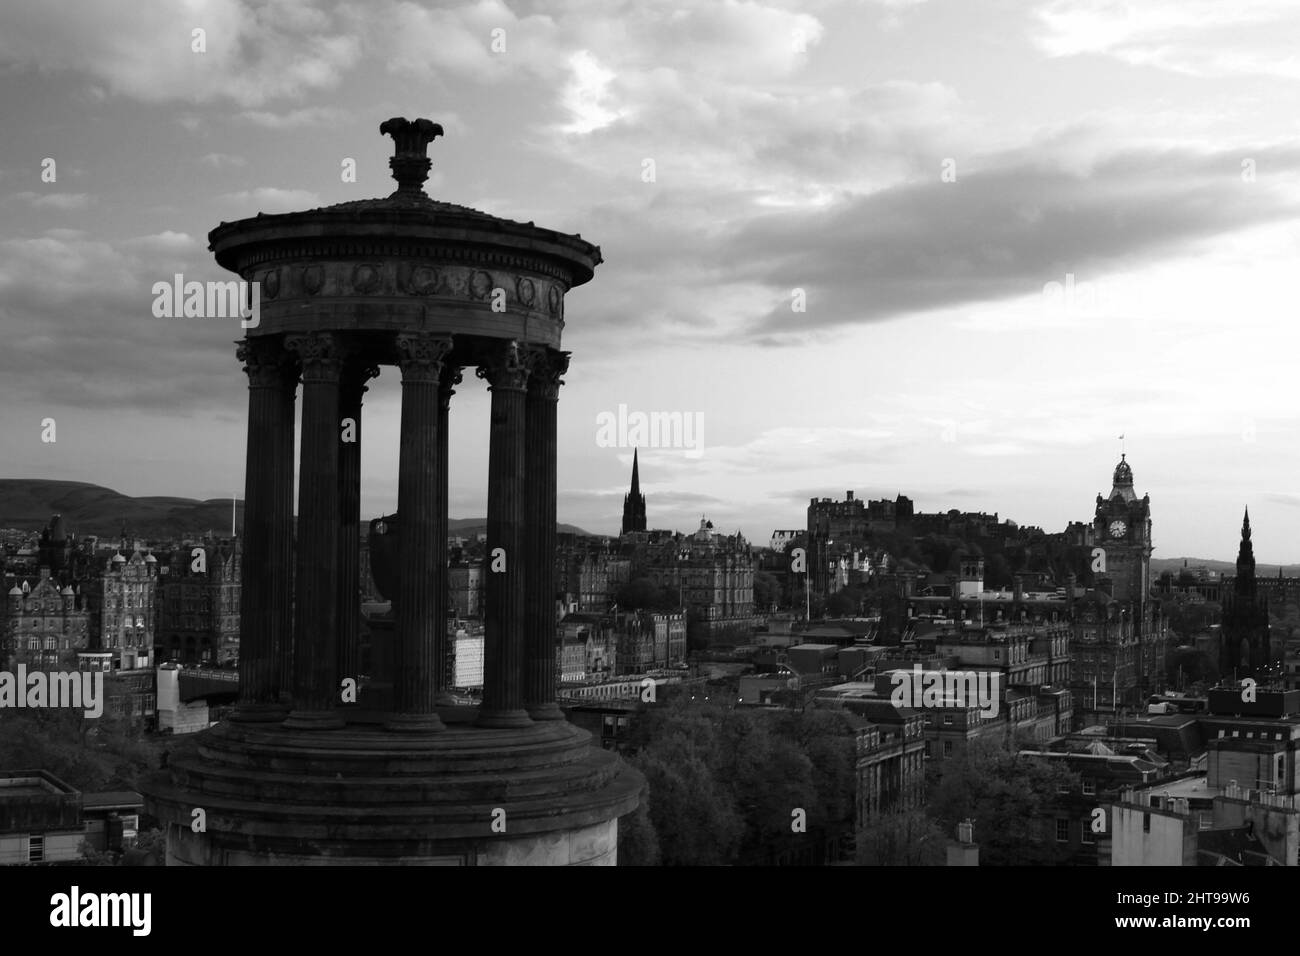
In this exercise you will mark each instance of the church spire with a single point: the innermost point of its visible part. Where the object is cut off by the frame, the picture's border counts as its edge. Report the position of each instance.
(1245, 584)
(634, 501)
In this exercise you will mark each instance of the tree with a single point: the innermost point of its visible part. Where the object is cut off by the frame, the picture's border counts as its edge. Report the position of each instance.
(693, 816)
(1187, 619)
(901, 839)
(841, 604)
(724, 784)
(638, 843)
(95, 857)
(768, 778)
(1008, 796)
(998, 572)
(828, 739)
(642, 594)
(767, 590)
(150, 849)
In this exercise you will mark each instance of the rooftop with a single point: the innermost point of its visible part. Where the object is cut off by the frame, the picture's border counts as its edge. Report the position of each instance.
(112, 800)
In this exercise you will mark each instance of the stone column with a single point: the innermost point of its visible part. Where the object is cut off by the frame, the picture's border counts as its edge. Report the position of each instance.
(545, 369)
(421, 631)
(266, 578)
(503, 699)
(451, 377)
(316, 617)
(352, 387)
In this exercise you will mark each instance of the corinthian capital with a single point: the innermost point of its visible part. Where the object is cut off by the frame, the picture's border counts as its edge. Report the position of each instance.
(421, 355)
(265, 362)
(320, 354)
(451, 377)
(545, 366)
(507, 368)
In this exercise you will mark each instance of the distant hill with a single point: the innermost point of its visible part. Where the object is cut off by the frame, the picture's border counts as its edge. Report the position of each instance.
(28, 503)
(468, 527)
(1223, 567)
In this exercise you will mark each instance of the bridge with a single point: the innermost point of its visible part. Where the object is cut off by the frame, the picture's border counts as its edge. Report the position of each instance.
(210, 684)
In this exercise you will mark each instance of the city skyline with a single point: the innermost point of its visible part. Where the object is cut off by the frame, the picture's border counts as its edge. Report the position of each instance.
(866, 154)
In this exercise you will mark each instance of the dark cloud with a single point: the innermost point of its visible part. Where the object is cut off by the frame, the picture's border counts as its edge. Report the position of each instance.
(1008, 225)
(80, 312)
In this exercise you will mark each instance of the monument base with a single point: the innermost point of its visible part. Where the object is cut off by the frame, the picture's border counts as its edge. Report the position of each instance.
(468, 796)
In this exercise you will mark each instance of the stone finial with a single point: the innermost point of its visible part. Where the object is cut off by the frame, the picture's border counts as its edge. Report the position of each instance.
(409, 164)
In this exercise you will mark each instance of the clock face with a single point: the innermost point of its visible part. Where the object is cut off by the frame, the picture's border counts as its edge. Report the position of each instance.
(1117, 529)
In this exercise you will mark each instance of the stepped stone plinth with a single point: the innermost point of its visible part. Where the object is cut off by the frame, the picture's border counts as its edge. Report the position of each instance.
(365, 795)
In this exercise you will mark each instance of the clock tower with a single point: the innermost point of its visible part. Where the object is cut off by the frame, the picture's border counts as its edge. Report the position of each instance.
(1122, 527)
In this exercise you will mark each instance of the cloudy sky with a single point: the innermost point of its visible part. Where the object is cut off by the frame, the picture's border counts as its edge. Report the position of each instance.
(952, 248)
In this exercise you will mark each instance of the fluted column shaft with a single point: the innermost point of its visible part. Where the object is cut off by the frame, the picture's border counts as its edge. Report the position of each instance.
(266, 564)
(451, 377)
(352, 388)
(544, 383)
(503, 699)
(316, 617)
(421, 625)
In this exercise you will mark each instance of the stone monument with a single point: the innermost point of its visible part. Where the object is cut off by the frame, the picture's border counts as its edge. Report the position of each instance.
(306, 770)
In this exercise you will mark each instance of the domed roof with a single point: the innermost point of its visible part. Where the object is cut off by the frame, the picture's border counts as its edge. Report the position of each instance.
(15, 591)
(150, 559)
(118, 559)
(67, 591)
(406, 214)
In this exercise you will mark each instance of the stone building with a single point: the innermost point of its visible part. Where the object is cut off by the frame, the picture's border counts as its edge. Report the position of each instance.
(712, 573)
(465, 578)
(45, 625)
(649, 640)
(590, 572)
(122, 601)
(198, 609)
(890, 764)
(586, 647)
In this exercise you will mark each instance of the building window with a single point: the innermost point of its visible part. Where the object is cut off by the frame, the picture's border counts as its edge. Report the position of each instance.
(1062, 830)
(36, 849)
(1089, 786)
(1086, 832)
(947, 720)
(947, 748)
